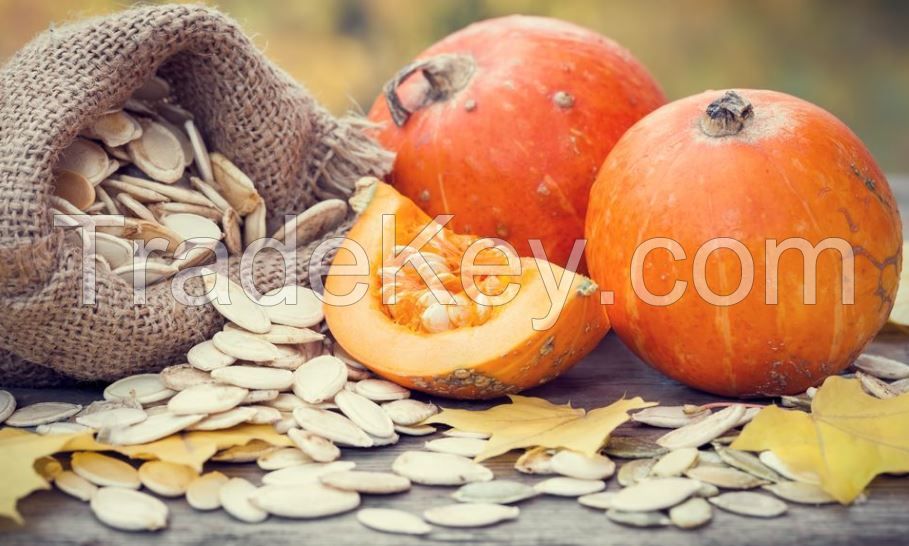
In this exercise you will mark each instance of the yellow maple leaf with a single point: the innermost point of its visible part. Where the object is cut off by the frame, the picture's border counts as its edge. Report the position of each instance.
(531, 422)
(848, 438)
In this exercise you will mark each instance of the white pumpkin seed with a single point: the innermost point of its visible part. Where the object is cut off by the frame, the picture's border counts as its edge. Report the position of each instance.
(495, 492)
(675, 462)
(429, 468)
(254, 377)
(245, 347)
(379, 390)
(389, 520)
(800, 492)
(634, 471)
(320, 379)
(379, 441)
(157, 153)
(205, 188)
(263, 415)
(286, 423)
(707, 490)
(577, 465)
(668, 416)
(192, 226)
(365, 413)
(86, 159)
(183, 376)
(632, 447)
(900, 387)
(42, 413)
(114, 128)
(293, 305)
(63, 427)
(305, 473)
(229, 299)
(225, 419)
(200, 152)
(470, 515)
(601, 500)
(465, 447)
(203, 493)
(206, 357)
(246, 453)
(129, 510)
(234, 497)
(104, 471)
(409, 412)
(638, 519)
(314, 446)
(155, 427)
(418, 430)
(370, 483)
(153, 89)
(746, 503)
(705, 430)
(116, 251)
(875, 387)
(254, 228)
(537, 460)
(165, 478)
(334, 427)
(74, 190)
(284, 457)
(727, 478)
(287, 402)
(112, 418)
(654, 494)
(261, 395)
(881, 367)
(314, 221)
(746, 462)
(75, 485)
(691, 514)
(310, 500)
(771, 460)
(208, 398)
(291, 357)
(281, 334)
(146, 388)
(569, 487)
(708, 456)
(234, 185)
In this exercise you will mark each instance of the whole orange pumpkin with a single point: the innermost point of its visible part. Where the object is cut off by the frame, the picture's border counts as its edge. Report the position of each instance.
(509, 124)
(704, 187)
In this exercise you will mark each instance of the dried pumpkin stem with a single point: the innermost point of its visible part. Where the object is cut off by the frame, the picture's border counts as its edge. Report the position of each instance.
(446, 75)
(727, 115)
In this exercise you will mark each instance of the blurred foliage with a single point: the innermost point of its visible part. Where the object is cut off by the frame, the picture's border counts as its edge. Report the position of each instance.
(849, 57)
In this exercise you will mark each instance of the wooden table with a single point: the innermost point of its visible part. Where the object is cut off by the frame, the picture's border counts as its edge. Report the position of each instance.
(608, 373)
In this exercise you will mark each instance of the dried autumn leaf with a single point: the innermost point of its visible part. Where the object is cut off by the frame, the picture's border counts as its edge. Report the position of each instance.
(848, 438)
(531, 422)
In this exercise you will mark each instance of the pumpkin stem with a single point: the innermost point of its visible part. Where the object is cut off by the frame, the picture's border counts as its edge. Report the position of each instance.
(726, 115)
(446, 75)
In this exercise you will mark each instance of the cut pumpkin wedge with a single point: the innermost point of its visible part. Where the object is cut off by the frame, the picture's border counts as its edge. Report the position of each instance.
(429, 319)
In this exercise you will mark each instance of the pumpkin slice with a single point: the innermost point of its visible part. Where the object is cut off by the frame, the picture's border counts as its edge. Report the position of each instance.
(476, 347)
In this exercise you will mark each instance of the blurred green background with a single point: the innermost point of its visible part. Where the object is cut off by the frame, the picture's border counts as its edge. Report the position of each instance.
(849, 57)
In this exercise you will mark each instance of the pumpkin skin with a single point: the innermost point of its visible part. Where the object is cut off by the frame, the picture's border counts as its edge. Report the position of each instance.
(793, 170)
(501, 356)
(530, 108)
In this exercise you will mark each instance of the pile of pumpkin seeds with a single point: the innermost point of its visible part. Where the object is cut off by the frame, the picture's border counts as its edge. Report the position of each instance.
(149, 164)
(289, 375)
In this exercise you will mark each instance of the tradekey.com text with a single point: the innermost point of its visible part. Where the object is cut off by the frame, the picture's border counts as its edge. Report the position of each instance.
(505, 263)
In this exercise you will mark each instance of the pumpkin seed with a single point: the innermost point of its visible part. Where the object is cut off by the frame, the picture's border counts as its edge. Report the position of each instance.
(707, 490)
(746, 462)
(727, 478)
(881, 367)
(74, 189)
(286, 423)
(708, 456)
(371, 483)
(75, 485)
(153, 89)
(634, 471)
(281, 334)
(601, 500)
(776, 464)
(114, 417)
(185, 145)
(235, 496)
(229, 299)
(314, 221)
(674, 463)
(263, 415)
(691, 514)
(284, 457)
(142, 274)
(206, 357)
(200, 152)
(128, 510)
(569, 487)
(379, 441)
(155, 427)
(537, 460)
(668, 416)
(875, 387)
(290, 358)
(85, 159)
(254, 225)
(183, 376)
(42, 413)
(205, 188)
(430, 468)
(50, 429)
(320, 379)
(334, 427)
(705, 430)
(417, 430)
(203, 493)
(131, 199)
(495, 492)
(104, 471)
(246, 453)
(115, 128)
(365, 413)
(576, 465)
(389, 520)
(165, 478)
(192, 226)
(305, 473)
(457, 433)
(254, 377)
(900, 387)
(746, 503)
(654, 494)
(750, 413)
(409, 412)
(310, 500)
(116, 251)
(287, 402)
(146, 388)
(379, 390)
(225, 419)
(292, 305)
(632, 447)
(638, 519)
(470, 515)
(465, 447)
(234, 185)
(800, 492)
(314, 446)
(245, 347)
(207, 398)
(157, 153)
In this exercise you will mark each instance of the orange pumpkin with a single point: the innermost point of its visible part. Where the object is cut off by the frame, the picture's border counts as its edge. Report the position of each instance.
(509, 124)
(470, 347)
(758, 168)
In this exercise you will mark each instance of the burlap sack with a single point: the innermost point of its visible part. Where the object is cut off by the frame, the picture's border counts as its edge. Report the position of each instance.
(247, 108)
